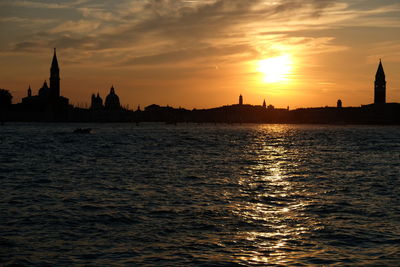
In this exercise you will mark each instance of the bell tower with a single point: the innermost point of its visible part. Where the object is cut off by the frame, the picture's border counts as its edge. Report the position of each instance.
(54, 77)
(380, 85)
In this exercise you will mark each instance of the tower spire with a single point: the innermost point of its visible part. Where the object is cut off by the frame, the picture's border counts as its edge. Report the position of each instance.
(55, 76)
(54, 63)
(380, 85)
(380, 73)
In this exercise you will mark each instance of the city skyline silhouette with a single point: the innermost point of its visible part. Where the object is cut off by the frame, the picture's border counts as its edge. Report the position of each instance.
(165, 53)
(53, 91)
(50, 105)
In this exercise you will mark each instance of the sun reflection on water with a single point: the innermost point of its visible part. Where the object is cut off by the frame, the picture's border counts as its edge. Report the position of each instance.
(272, 210)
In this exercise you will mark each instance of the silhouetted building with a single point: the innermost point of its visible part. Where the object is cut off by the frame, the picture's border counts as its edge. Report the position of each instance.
(97, 102)
(44, 91)
(240, 100)
(380, 85)
(54, 77)
(339, 103)
(48, 99)
(264, 104)
(112, 100)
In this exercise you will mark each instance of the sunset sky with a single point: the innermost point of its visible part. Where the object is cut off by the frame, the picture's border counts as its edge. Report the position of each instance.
(203, 53)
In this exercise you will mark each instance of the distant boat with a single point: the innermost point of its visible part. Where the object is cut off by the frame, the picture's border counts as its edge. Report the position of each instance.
(83, 130)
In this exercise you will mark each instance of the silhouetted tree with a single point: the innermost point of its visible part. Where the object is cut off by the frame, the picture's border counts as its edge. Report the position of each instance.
(5, 103)
(5, 99)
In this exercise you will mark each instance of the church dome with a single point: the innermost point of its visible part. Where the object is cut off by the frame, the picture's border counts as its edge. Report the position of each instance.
(44, 90)
(112, 100)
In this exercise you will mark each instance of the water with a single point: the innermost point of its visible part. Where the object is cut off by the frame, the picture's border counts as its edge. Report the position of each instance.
(192, 194)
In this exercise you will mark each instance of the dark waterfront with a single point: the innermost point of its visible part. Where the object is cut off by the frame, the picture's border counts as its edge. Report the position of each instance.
(158, 194)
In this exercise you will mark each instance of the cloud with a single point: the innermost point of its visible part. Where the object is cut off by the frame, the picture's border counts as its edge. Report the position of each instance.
(163, 31)
(27, 46)
(34, 4)
(78, 27)
(43, 4)
(185, 55)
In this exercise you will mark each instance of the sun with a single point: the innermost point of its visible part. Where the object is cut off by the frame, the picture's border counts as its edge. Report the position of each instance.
(275, 69)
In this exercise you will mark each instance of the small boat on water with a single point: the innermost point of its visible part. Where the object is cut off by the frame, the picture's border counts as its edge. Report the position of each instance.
(83, 130)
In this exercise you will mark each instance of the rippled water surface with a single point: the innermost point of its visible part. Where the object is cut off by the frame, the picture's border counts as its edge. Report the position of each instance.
(190, 194)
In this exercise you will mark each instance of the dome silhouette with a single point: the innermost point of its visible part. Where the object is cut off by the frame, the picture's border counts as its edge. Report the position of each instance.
(112, 100)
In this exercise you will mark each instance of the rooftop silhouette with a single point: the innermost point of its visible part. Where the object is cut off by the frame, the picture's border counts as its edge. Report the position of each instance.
(49, 105)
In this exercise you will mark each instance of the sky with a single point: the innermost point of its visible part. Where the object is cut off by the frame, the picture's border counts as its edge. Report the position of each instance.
(203, 53)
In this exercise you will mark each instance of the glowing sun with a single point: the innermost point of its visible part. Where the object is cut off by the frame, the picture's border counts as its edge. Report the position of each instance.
(275, 69)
